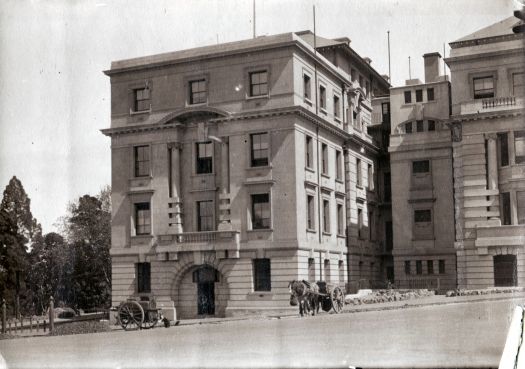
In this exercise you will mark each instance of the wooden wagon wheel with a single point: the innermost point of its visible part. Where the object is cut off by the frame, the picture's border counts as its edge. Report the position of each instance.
(131, 315)
(338, 300)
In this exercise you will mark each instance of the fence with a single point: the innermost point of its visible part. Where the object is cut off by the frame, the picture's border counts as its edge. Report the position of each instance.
(30, 323)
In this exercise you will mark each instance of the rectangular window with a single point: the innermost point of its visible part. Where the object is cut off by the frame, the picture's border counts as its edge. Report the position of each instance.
(339, 164)
(311, 212)
(326, 216)
(370, 177)
(442, 267)
(407, 266)
(309, 152)
(430, 94)
(337, 107)
(518, 84)
(431, 125)
(419, 95)
(142, 99)
(520, 199)
(483, 87)
(341, 271)
(260, 149)
(324, 153)
(142, 218)
(419, 126)
(503, 142)
(322, 97)
(262, 278)
(204, 162)
(198, 91)
(408, 127)
(141, 154)
(259, 83)
(205, 212)
(327, 271)
(359, 174)
(419, 267)
(261, 211)
(422, 216)
(360, 223)
(430, 266)
(420, 166)
(385, 108)
(143, 277)
(340, 220)
(519, 146)
(505, 208)
(408, 97)
(307, 87)
(311, 269)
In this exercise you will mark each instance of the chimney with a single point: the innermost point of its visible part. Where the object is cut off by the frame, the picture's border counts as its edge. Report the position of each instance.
(432, 66)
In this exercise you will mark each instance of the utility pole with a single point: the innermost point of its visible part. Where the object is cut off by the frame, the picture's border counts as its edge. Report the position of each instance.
(389, 72)
(409, 71)
(253, 18)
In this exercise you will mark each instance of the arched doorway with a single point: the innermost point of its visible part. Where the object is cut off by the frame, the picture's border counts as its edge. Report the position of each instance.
(205, 277)
(505, 270)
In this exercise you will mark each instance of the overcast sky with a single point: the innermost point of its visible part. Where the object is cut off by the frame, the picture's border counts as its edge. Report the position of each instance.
(54, 98)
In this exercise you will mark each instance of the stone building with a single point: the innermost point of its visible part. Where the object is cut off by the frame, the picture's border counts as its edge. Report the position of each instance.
(488, 127)
(239, 167)
(422, 183)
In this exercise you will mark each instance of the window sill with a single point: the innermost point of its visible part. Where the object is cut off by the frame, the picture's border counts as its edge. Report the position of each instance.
(325, 175)
(142, 177)
(309, 169)
(131, 112)
(310, 230)
(341, 236)
(327, 233)
(338, 120)
(259, 230)
(203, 174)
(141, 236)
(323, 110)
(189, 105)
(257, 97)
(360, 186)
(339, 180)
(307, 101)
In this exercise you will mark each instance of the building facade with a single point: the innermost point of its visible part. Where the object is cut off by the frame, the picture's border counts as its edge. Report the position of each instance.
(238, 168)
(488, 129)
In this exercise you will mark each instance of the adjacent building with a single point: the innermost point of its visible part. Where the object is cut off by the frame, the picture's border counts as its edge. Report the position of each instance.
(239, 167)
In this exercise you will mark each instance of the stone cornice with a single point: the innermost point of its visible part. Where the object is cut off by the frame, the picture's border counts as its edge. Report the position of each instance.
(485, 40)
(489, 115)
(482, 55)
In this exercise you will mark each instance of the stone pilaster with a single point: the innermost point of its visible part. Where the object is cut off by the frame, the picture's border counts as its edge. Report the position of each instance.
(224, 194)
(175, 200)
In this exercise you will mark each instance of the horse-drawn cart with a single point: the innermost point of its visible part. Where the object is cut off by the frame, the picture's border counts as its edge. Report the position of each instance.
(310, 296)
(331, 297)
(134, 315)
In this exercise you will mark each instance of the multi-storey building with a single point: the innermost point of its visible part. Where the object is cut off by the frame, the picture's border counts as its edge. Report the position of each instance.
(422, 184)
(488, 128)
(239, 167)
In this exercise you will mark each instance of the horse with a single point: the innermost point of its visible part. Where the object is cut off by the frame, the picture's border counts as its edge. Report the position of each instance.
(304, 294)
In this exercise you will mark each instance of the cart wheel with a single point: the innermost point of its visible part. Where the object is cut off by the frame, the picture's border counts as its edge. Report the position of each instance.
(150, 320)
(131, 315)
(338, 300)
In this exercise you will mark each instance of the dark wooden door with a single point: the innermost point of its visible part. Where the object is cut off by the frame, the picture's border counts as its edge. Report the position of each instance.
(505, 270)
(206, 298)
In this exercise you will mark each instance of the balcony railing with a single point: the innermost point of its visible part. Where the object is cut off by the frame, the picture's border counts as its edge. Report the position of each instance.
(498, 101)
(200, 237)
(493, 104)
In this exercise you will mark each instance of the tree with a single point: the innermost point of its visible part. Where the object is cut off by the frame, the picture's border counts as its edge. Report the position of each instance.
(18, 229)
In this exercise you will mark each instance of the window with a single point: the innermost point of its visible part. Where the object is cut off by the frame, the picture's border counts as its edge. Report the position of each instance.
(322, 97)
(370, 177)
(422, 216)
(430, 94)
(408, 97)
(519, 146)
(370, 228)
(360, 223)
(326, 216)
(483, 87)
(261, 211)
(442, 267)
(518, 84)
(205, 212)
(431, 125)
(419, 95)
(505, 208)
(389, 236)
(430, 266)
(143, 277)
(324, 153)
(337, 107)
(141, 161)
(407, 266)
(198, 91)
(353, 74)
(339, 164)
(520, 199)
(359, 174)
(327, 272)
(408, 127)
(503, 142)
(340, 220)
(204, 157)
(142, 99)
(262, 275)
(307, 87)
(259, 83)
(311, 269)
(142, 218)
(420, 166)
(309, 152)
(311, 212)
(341, 267)
(387, 195)
(259, 142)
(385, 108)
(419, 126)
(419, 267)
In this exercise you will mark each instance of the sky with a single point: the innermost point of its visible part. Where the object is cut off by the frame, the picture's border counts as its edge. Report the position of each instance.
(54, 98)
